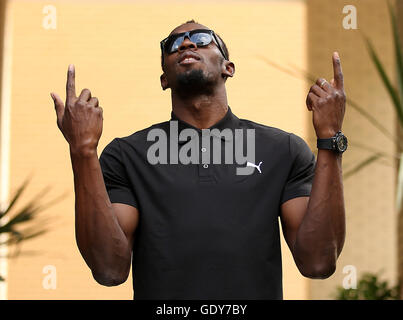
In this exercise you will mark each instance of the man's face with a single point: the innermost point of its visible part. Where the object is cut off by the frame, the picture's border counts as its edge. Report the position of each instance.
(204, 68)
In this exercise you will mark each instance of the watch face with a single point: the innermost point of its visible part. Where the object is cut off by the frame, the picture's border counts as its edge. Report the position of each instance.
(341, 143)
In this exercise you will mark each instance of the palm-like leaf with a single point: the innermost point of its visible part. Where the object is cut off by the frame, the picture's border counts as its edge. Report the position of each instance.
(398, 53)
(396, 96)
(18, 193)
(399, 191)
(304, 75)
(393, 93)
(24, 224)
(361, 165)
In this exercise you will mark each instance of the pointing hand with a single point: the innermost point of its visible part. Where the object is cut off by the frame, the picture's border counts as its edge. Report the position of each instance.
(327, 101)
(80, 119)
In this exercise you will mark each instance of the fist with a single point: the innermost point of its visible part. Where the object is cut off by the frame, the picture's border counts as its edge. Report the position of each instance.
(80, 119)
(327, 101)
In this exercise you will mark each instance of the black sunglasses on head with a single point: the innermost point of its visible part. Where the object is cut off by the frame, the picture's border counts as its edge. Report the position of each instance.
(201, 37)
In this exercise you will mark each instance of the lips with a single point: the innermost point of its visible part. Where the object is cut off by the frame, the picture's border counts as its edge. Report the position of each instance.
(188, 61)
(188, 57)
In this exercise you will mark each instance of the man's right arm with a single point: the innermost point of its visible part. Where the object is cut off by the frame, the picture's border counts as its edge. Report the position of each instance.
(104, 231)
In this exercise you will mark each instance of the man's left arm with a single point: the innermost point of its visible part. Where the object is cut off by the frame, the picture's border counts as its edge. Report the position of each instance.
(314, 227)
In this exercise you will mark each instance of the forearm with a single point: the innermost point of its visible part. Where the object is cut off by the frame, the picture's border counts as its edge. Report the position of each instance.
(100, 239)
(321, 235)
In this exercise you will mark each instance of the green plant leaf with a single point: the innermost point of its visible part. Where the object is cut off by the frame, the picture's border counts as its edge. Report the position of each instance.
(398, 51)
(356, 144)
(374, 122)
(361, 110)
(25, 215)
(369, 287)
(361, 165)
(304, 75)
(23, 224)
(29, 211)
(14, 199)
(385, 79)
(399, 187)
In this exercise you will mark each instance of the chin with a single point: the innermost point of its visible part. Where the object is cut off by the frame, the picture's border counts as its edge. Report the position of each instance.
(194, 82)
(189, 68)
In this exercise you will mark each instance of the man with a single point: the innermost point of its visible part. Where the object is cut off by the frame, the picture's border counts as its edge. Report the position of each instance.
(204, 230)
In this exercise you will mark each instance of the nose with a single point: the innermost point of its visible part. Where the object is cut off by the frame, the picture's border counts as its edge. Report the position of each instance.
(186, 43)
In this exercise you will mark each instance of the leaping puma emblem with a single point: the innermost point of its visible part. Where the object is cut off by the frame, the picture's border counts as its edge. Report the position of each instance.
(250, 164)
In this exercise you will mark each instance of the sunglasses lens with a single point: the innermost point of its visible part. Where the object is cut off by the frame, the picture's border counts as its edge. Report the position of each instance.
(175, 43)
(199, 38)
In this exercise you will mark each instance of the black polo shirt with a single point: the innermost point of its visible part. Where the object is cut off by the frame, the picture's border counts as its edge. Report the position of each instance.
(205, 232)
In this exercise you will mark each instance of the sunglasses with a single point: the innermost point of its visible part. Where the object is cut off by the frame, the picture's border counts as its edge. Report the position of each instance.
(201, 37)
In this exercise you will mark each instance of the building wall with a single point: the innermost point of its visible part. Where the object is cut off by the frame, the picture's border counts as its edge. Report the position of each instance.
(115, 48)
(370, 244)
(3, 147)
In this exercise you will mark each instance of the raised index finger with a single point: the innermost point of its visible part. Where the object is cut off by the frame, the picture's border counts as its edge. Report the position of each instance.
(71, 85)
(338, 74)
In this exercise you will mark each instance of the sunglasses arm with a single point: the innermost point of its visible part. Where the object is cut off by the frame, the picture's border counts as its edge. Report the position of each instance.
(219, 46)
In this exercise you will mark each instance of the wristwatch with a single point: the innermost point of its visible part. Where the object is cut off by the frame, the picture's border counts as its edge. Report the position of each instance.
(337, 143)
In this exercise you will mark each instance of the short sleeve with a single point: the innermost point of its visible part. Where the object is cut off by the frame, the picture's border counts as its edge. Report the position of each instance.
(115, 175)
(300, 178)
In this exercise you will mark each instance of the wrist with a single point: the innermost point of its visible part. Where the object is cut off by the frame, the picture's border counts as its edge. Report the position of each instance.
(336, 143)
(326, 134)
(83, 151)
(330, 153)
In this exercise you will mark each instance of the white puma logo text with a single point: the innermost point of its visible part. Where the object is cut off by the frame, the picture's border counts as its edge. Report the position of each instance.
(250, 164)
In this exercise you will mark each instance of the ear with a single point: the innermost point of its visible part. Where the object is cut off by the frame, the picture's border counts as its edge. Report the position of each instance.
(164, 82)
(228, 69)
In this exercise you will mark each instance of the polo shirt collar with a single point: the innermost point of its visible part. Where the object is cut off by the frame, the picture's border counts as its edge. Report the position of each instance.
(229, 121)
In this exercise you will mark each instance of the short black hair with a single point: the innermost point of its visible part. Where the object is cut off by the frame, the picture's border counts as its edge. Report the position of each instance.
(223, 45)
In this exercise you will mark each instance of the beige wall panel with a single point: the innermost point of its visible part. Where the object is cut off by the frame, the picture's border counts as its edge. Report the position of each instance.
(115, 48)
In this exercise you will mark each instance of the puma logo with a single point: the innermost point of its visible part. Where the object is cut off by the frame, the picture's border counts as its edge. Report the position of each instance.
(250, 164)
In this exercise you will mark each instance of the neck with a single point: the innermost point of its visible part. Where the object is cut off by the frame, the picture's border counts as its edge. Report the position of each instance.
(202, 111)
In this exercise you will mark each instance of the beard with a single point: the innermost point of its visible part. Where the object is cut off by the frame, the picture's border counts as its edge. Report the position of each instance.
(194, 83)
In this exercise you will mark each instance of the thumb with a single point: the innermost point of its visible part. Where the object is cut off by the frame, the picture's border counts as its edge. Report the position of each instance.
(59, 106)
(332, 82)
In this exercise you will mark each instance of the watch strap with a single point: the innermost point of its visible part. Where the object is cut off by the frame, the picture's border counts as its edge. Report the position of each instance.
(325, 143)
